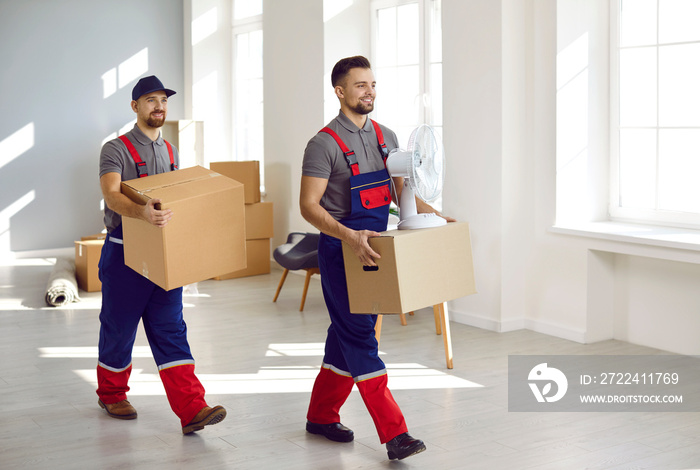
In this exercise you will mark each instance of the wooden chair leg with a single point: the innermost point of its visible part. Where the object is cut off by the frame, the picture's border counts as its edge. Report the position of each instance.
(309, 272)
(279, 286)
(378, 327)
(445, 320)
(436, 313)
(402, 316)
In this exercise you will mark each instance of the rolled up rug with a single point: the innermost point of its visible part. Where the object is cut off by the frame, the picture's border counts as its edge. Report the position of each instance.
(62, 287)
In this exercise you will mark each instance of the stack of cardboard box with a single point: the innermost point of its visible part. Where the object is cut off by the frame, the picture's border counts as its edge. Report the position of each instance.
(258, 217)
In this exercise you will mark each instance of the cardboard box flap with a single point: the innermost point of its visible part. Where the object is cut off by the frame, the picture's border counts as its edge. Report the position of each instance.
(183, 184)
(178, 193)
(166, 185)
(168, 178)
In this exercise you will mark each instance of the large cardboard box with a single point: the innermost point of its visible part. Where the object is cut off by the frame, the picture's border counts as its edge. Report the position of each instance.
(258, 221)
(257, 257)
(87, 258)
(204, 238)
(417, 269)
(247, 172)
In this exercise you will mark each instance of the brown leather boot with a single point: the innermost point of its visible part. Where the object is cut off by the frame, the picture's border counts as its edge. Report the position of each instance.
(120, 410)
(205, 417)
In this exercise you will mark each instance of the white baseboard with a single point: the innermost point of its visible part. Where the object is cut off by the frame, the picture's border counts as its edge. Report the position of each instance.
(557, 331)
(476, 321)
(546, 328)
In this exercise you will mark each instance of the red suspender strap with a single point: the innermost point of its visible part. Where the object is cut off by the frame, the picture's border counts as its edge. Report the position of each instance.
(140, 164)
(349, 154)
(380, 139)
(173, 166)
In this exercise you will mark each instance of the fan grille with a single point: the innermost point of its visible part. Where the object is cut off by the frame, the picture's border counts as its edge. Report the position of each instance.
(427, 163)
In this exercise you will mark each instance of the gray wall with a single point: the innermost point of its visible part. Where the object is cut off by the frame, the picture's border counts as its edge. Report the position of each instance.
(53, 57)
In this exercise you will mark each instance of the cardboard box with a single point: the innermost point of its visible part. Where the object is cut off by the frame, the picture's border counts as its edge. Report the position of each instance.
(87, 258)
(257, 257)
(96, 236)
(417, 269)
(205, 237)
(258, 221)
(188, 137)
(247, 172)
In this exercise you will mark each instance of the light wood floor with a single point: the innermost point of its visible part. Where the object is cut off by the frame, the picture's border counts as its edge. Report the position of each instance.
(259, 359)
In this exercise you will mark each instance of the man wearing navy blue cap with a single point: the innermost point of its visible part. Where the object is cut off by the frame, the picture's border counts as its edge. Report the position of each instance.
(127, 296)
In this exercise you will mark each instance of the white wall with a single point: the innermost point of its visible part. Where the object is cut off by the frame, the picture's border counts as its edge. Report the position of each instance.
(473, 142)
(293, 68)
(337, 43)
(207, 51)
(657, 303)
(55, 112)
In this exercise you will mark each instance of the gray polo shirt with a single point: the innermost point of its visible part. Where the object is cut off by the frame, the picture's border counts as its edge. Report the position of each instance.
(324, 159)
(115, 158)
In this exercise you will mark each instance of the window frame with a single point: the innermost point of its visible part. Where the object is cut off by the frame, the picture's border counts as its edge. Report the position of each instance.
(426, 113)
(238, 27)
(618, 213)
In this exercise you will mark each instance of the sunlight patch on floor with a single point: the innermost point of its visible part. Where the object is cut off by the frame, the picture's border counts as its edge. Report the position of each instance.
(290, 380)
(275, 379)
(90, 351)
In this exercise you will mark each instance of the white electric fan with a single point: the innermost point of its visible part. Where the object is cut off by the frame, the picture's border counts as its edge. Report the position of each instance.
(423, 171)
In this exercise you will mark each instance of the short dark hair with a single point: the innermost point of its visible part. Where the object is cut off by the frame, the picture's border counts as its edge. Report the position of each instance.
(343, 66)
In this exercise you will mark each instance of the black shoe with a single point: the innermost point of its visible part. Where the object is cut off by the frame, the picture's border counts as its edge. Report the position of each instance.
(335, 431)
(403, 446)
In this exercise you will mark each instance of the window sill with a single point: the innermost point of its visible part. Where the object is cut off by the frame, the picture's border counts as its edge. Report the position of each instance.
(638, 239)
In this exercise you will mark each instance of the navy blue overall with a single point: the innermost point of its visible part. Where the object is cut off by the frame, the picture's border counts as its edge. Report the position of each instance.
(127, 298)
(351, 351)
(370, 195)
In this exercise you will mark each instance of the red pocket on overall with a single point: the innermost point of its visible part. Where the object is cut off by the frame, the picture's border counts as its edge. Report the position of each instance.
(375, 197)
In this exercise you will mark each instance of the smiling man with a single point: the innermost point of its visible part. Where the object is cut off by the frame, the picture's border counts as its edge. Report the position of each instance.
(345, 193)
(127, 296)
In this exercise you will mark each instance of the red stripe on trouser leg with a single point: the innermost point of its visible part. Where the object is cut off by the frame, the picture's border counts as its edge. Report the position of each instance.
(184, 390)
(329, 393)
(381, 405)
(112, 386)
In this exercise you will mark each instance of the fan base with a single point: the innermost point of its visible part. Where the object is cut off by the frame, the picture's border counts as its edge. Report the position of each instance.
(421, 221)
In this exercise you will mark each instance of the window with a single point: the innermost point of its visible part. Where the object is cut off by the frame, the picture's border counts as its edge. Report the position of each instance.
(407, 62)
(656, 112)
(248, 82)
